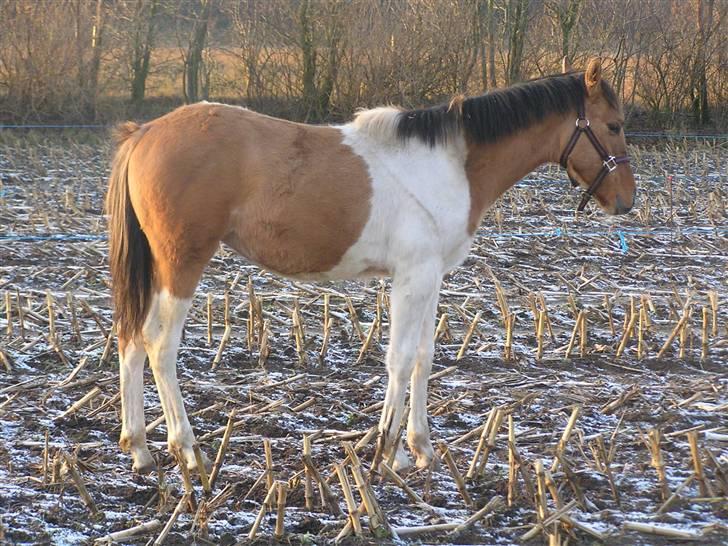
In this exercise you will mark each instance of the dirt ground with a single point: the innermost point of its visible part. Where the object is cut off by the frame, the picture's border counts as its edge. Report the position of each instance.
(669, 258)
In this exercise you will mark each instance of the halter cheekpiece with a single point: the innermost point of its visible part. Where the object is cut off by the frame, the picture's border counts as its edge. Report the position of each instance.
(609, 162)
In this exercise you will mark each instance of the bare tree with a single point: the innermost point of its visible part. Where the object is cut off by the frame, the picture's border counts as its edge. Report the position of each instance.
(42, 77)
(144, 25)
(194, 71)
(516, 23)
(565, 16)
(701, 108)
(89, 32)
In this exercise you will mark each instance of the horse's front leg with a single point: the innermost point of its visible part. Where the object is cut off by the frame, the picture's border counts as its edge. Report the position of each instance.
(418, 430)
(413, 292)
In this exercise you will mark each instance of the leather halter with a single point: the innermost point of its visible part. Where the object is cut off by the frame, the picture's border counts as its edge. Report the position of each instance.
(609, 162)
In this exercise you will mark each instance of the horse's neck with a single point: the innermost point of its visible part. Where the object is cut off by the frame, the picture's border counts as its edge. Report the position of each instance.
(494, 167)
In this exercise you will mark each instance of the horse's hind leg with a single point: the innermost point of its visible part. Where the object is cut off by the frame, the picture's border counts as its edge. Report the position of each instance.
(162, 333)
(133, 432)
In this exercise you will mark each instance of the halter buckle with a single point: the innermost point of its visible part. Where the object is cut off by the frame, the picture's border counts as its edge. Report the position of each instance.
(610, 163)
(579, 125)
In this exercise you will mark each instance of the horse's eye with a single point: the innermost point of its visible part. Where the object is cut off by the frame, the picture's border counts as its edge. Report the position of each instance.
(614, 128)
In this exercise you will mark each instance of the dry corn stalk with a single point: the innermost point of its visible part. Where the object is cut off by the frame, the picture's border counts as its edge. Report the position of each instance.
(565, 436)
(485, 432)
(78, 404)
(217, 465)
(367, 342)
(308, 483)
(577, 329)
(299, 333)
(459, 481)
(541, 506)
(713, 299)
(264, 348)
(70, 465)
(8, 314)
(705, 489)
(705, 338)
(539, 334)
(468, 336)
(658, 463)
(268, 454)
(282, 493)
(626, 334)
(354, 319)
(678, 328)
(184, 501)
(209, 319)
(508, 349)
(264, 507)
(661, 531)
(442, 328)
(349, 498)
(512, 468)
(221, 348)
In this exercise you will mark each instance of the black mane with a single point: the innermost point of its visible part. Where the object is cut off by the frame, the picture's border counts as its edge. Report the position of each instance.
(499, 113)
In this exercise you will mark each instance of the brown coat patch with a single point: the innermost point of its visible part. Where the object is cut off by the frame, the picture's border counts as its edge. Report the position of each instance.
(492, 168)
(289, 197)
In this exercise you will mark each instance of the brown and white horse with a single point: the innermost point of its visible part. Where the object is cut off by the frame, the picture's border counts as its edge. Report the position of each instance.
(394, 192)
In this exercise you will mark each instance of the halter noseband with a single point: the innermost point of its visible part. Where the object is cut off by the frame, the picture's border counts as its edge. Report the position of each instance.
(609, 162)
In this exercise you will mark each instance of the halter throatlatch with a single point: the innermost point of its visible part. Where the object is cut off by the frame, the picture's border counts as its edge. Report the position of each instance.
(609, 162)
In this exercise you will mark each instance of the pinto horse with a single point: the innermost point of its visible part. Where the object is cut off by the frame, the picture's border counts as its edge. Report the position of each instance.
(394, 192)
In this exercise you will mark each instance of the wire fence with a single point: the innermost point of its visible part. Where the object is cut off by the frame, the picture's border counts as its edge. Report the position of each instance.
(620, 234)
(630, 135)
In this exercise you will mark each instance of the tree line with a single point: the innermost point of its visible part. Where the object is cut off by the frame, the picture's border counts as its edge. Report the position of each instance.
(319, 60)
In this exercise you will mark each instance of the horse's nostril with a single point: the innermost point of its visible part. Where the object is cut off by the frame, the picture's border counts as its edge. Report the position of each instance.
(621, 208)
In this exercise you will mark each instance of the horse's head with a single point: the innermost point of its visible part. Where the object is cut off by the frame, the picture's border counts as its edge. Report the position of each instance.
(594, 149)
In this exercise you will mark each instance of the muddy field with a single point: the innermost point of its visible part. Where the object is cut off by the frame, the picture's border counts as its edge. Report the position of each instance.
(642, 425)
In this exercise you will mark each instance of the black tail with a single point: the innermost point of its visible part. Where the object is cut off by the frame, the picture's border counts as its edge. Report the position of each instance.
(130, 258)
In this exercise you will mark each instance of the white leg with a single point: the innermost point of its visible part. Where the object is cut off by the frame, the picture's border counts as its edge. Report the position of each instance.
(162, 333)
(133, 432)
(412, 293)
(418, 430)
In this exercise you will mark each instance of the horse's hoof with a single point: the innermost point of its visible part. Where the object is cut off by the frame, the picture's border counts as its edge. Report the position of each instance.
(192, 465)
(425, 457)
(188, 455)
(428, 461)
(144, 463)
(401, 461)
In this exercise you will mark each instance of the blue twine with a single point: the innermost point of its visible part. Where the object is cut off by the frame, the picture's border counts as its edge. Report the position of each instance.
(672, 136)
(52, 126)
(556, 232)
(623, 242)
(58, 237)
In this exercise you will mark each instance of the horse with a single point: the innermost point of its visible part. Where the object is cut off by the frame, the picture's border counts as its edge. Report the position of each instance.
(394, 192)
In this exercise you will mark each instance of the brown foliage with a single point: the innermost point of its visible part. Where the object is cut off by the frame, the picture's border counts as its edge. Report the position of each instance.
(320, 60)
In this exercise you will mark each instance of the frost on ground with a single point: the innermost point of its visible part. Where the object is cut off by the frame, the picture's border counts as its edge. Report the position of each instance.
(670, 256)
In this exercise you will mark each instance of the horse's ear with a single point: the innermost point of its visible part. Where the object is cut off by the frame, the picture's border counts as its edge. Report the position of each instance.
(593, 77)
(565, 65)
